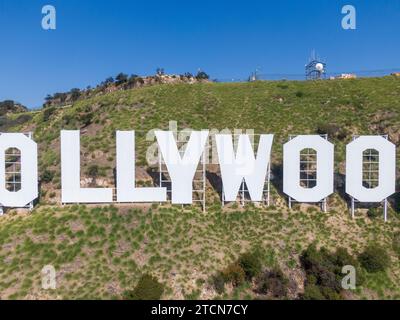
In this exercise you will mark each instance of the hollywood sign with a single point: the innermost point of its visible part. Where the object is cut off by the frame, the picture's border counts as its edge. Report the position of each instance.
(236, 166)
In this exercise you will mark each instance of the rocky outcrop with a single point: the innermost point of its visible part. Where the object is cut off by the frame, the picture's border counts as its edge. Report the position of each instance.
(122, 82)
(10, 106)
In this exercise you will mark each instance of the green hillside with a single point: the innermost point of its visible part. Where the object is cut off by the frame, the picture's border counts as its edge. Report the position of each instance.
(102, 252)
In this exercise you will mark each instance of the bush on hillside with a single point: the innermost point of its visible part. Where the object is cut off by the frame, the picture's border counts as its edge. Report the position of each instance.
(273, 283)
(47, 176)
(324, 271)
(218, 282)
(373, 213)
(250, 264)
(148, 288)
(343, 258)
(75, 93)
(201, 75)
(86, 118)
(121, 78)
(47, 113)
(312, 292)
(234, 274)
(374, 258)
(396, 243)
(93, 171)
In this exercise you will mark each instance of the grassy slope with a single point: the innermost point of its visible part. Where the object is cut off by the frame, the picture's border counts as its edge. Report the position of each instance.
(99, 252)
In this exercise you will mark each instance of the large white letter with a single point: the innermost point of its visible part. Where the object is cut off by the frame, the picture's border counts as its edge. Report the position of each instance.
(354, 168)
(71, 190)
(291, 168)
(244, 165)
(29, 174)
(181, 169)
(126, 191)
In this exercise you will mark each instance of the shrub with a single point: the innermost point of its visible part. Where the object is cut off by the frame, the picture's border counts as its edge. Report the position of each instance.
(327, 279)
(250, 264)
(282, 86)
(47, 113)
(299, 94)
(396, 243)
(47, 176)
(374, 258)
(93, 171)
(75, 94)
(312, 292)
(324, 271)
(148, 288)
(201, 75)
(108, 81)
(311, 258)
(234, 274)
(273, 282)
(343, 258)
(67, 119)
(373, 213)
(218, 283)
(121, 78)
(86, 118)
(330, 294)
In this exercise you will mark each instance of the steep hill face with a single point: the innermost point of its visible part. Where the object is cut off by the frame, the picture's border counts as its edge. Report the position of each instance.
(99, 252)
(339, 108)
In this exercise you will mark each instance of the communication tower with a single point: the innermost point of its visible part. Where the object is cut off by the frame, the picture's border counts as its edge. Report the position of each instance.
(315, 69)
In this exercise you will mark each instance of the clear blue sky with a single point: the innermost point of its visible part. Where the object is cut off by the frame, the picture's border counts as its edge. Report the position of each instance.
(227, 39)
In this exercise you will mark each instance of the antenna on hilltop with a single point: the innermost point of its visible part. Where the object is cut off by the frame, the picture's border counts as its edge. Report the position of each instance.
(316, 68)
(254, 76)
